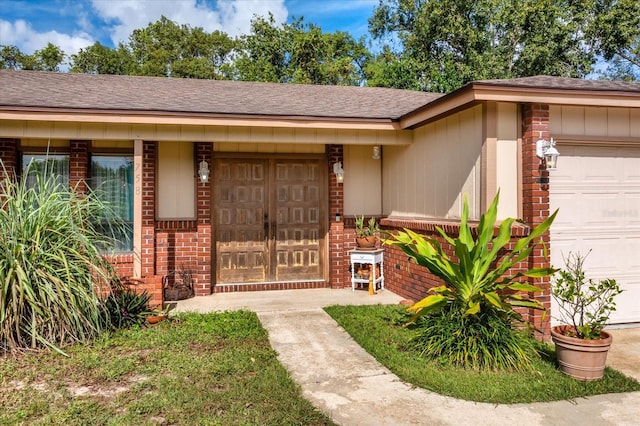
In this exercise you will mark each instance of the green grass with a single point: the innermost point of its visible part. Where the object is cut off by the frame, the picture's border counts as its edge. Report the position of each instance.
(378, 330)
(213, 369)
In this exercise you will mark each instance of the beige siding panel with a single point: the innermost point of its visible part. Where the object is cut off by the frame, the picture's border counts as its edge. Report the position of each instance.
(92, 131)
(634, 118)
(112, 144)
(192, 133)
(264, 134)
(506, 163)
(572, 120)
(269, 148)
(507, 177)
(362, 181)
(239, 134)
(176, 181)
(595, 122)
(284, 134)
(555, 119)
(426, 178)
(507, 128)
(618, 122)
(43, 143)
(200, 133)
(326, 136)
(216, 134)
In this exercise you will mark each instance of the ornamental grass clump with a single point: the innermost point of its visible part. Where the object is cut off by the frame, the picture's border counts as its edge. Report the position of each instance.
(471, 321)
(51, 264)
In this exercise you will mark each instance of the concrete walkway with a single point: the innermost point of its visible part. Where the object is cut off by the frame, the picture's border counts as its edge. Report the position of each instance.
(344, 381)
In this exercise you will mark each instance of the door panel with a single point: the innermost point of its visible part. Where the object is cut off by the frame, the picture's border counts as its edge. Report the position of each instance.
(240, 200)
(299, 221)
(597, 192)
(269, 219)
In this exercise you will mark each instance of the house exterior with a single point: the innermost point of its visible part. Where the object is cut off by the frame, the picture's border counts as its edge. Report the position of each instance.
(272, 215)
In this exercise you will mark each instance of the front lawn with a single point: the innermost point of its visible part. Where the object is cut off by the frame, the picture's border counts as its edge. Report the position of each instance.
(213, 369)
(378, 329)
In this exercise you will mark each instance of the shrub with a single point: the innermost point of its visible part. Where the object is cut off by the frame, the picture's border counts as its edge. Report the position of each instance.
(50, 262)
(477, 290)
(583, 303)
(125, 307)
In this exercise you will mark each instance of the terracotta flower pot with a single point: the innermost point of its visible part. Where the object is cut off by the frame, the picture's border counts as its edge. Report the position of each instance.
(579, 358)
(366, 242)
(154, 319)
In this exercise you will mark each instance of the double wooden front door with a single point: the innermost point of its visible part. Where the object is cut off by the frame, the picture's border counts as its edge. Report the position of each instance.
(269, 218)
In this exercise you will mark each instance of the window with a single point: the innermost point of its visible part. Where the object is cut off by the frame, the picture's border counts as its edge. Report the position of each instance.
(112, 179)
(45, 165)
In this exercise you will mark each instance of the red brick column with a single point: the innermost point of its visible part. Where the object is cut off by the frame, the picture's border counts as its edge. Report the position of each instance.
(151, 282)
(203, 277)
(535, 198)
(8, 160)
(338, 258)
(79, 165)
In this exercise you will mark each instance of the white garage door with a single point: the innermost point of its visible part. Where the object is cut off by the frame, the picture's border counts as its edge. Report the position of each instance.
(597, 190)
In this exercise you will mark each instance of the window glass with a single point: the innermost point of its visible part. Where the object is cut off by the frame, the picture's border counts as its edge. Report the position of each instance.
(112, 178)
(45, 165)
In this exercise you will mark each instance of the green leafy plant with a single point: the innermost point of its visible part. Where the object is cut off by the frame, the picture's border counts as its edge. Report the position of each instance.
(477, 283)
(50, 264)
(368, 230)
(126, 307)
(584, 304)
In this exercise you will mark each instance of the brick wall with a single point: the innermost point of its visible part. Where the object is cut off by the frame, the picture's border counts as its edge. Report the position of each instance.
(8, 159)
(204, 278)
(338, 256)
(79, 165)
(535, 196)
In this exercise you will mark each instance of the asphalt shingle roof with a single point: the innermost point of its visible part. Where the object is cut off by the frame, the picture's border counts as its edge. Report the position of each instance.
(157, 94)
(563, 83)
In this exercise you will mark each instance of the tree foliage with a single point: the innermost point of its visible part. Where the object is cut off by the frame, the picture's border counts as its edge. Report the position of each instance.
(447, 43)
(299, 53)
(49, 58)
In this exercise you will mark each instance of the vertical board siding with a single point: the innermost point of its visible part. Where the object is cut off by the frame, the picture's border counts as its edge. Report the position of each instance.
(594, 121)
(427, 178)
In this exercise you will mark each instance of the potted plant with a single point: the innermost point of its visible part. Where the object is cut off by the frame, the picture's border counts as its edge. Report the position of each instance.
(178, 285)
(156, 316)
(584, 306)
(366, 234)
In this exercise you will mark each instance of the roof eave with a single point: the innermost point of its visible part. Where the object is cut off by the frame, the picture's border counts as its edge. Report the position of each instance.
(476, 92)
(28, 113)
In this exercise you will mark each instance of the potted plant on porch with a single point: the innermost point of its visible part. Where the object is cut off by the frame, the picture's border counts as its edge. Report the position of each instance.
(366, 234)
(178, 285)
(584, 306)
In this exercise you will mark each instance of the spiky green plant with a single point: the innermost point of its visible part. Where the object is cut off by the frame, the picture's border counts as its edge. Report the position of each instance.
(50, 264)
(478, 288)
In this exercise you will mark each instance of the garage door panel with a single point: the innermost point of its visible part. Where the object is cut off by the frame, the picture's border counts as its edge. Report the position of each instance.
(597, 190)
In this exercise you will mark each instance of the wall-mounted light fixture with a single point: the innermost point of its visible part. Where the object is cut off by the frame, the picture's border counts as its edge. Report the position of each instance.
(547, 151)
(203, 171)
(338, 217)
(376, 152)
(338, 171)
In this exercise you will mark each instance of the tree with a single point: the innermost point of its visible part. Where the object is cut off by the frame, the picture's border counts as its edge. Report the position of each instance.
(617, 30)
(299, 53)
(162, 49)
(47, 59)
(451, 42)
(100, 59)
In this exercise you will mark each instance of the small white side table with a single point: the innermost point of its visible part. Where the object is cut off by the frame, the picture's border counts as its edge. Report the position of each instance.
(367, 257)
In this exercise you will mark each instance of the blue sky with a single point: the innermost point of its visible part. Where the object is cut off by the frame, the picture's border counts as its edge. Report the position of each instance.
(74, 24)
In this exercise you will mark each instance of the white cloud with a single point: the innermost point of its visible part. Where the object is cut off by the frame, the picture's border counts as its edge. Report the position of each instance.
(21, 34)
(231, 16)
